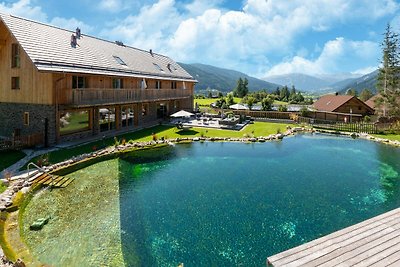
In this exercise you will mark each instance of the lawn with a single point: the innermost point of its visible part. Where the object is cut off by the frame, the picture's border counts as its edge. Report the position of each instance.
(256, 129)
(207, 101)
(10, 157)
(394, 137)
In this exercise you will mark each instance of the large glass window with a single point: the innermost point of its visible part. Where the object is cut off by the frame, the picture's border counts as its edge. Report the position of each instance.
(15, 57)
(79, 82)
(127, 116)
(74, 121)
(107, 119)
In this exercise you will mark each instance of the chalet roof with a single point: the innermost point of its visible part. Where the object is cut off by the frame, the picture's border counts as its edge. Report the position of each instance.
(371, 102)
(50, 49)
(331, 102)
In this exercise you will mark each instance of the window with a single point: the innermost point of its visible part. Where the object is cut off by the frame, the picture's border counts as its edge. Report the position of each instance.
(119, 60)
(158, 67)
(173, 85)
(158, 84)
(15, 83)
(26, 118)
(74, 121)
(117, 83)
(78, 82)
(15, 59)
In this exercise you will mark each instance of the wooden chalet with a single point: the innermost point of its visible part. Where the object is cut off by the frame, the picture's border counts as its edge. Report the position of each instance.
(69, 85)
(343, 104)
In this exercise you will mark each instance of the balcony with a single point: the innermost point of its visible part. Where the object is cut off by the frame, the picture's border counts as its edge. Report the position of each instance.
(91, 96)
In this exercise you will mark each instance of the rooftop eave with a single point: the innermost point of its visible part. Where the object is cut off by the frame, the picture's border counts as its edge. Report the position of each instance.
(60, 67)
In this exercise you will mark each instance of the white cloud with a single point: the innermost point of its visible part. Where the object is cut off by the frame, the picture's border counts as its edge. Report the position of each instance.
(334, 58)
(71, 24)
(23, 8)
(110, 5)
(244, 39)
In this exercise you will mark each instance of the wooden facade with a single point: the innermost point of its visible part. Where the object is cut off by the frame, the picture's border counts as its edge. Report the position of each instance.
(34, 87)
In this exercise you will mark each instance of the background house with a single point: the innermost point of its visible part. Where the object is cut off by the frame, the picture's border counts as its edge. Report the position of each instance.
(345, 104)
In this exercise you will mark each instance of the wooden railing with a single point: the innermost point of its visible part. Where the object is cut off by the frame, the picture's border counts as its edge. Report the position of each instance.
(18, 142)
(91, 96)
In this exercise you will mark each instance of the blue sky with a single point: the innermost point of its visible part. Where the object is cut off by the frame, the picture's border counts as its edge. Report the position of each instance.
(258, 37)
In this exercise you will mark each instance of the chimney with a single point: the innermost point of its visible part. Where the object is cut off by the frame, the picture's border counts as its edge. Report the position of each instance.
(336, 93)
(78, 33)
(169, 66)
(73, 41)
(151, 52)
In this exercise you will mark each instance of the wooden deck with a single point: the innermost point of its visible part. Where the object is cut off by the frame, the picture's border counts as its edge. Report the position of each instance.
(374, 242)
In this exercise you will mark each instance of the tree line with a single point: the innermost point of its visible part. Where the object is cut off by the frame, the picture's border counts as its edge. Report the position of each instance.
(389, 75)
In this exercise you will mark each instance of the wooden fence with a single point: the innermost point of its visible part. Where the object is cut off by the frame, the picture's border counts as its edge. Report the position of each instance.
(370, 128)
(19, 142)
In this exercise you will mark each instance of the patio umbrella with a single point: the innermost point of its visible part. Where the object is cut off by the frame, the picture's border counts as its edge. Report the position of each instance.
(238, 106)
(182, 113)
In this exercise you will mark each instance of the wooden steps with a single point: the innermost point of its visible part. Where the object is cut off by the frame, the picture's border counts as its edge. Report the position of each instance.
(50, 180)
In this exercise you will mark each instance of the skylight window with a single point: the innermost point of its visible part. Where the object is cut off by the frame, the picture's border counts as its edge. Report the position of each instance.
(158, 67)
(119, 60)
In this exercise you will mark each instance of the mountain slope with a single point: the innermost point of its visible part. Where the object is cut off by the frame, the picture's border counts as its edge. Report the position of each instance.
(301, 81)
(223, 79)
(367, 81)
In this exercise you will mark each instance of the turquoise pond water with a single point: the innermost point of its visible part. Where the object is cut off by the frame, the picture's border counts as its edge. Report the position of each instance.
(218, 204)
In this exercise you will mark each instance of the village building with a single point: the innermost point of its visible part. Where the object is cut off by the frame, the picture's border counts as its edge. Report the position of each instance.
(67, 85)
(340, 107)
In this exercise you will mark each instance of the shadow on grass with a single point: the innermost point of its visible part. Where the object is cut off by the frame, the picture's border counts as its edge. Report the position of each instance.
(187, 132)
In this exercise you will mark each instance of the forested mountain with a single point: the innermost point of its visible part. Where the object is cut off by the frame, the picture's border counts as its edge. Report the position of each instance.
(224, 80)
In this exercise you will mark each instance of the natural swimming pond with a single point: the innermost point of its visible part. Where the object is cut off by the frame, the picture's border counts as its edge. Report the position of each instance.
(219, 204)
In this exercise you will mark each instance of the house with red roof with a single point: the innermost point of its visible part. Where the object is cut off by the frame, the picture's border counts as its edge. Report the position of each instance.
(343, 104)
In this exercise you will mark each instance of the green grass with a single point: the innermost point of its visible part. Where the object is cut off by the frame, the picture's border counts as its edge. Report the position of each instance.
(10, 157)
(277, 102)
(168, 132)
(394, 137)
(207, 101)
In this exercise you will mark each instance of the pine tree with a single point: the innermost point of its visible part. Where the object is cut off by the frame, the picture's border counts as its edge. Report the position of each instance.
(238, 91)
(245, 87)
(389, 74)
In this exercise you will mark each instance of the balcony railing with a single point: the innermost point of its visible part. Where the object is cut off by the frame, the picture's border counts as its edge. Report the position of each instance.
(91, 96)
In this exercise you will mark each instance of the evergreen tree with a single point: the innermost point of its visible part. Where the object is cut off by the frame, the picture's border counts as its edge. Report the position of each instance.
(352, 92)
(245, 87)
(238, 91)
(389, 74)
(277, 92)
(365, 94)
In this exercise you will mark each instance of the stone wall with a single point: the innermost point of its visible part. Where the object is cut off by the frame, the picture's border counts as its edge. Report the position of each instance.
(12, 118)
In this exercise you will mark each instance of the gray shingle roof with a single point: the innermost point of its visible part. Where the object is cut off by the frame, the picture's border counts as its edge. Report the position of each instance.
(50, 49)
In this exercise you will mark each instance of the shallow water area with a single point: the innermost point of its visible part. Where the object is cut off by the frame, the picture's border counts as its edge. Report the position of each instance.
(213, 203)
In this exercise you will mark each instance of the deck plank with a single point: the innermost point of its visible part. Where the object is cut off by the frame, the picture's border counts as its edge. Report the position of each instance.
(347, 252)
(349, 244)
